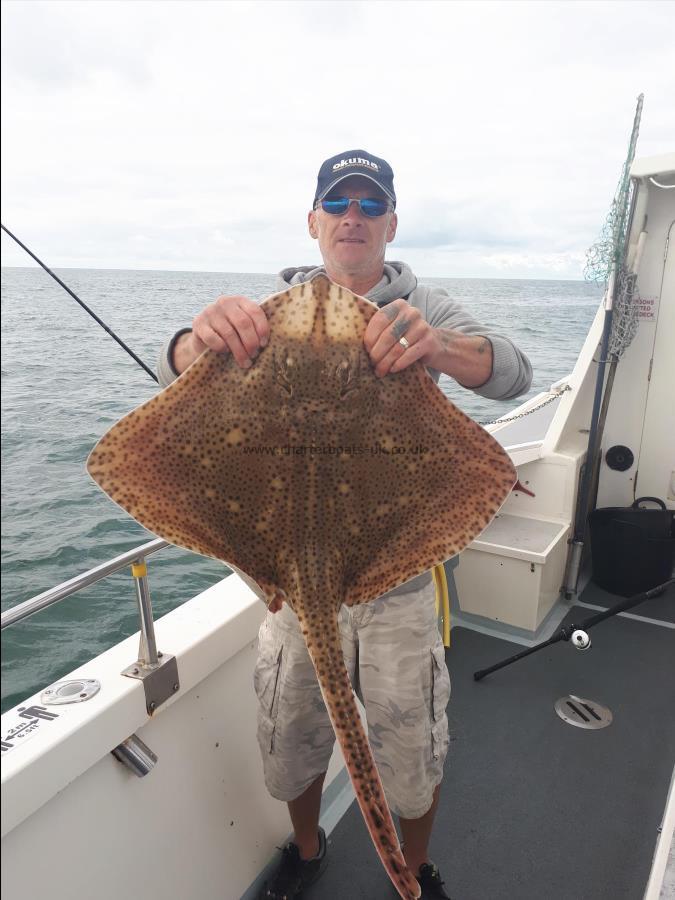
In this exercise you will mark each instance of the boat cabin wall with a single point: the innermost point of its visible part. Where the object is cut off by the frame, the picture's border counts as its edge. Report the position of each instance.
(641, 414)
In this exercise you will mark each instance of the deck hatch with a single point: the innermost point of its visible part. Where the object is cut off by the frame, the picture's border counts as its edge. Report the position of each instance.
(583, 713)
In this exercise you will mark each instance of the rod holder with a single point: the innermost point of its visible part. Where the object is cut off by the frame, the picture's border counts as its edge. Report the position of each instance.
(135, 756)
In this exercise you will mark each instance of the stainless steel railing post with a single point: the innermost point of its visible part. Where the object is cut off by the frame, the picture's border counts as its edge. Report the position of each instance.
(147, 649)
(53, 595)
(157, 671)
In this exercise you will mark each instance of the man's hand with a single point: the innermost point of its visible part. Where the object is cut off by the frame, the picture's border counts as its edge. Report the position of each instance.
(382, 339)
(466, 358)
(231, 324)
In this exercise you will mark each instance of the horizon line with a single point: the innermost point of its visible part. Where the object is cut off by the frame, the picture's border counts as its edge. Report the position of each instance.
(274, 274)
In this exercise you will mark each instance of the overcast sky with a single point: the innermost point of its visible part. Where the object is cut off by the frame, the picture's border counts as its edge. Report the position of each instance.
(188, 135)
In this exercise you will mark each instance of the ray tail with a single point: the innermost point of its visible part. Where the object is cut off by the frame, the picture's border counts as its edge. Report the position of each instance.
(325, 649)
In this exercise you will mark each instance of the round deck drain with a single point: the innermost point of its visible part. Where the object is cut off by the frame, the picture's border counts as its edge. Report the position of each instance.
(583, 713)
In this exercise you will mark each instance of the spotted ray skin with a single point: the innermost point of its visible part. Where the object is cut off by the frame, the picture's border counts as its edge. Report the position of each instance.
(242, 465)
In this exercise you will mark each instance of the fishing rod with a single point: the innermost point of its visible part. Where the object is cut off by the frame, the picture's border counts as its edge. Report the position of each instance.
(83, 305)
(578, 633)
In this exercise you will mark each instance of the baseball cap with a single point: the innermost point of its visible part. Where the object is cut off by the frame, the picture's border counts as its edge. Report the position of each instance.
(355, 162)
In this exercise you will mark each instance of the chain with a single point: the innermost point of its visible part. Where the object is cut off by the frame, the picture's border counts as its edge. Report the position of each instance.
(527, 412)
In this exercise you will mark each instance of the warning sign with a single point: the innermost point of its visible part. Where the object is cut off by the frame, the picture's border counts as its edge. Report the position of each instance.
(647, 307)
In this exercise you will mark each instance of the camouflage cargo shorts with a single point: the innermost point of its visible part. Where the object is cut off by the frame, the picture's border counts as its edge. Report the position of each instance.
(396, 661)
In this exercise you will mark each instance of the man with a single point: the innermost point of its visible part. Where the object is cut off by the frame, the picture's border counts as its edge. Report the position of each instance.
(392, 647)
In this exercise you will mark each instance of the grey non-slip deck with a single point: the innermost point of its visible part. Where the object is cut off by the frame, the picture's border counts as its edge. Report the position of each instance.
(531, 807)
(662, 607)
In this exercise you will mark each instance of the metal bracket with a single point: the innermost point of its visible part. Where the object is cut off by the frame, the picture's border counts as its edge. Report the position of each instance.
(160, 681)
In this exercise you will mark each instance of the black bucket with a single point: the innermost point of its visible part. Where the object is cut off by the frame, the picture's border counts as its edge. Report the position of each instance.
(633, 548)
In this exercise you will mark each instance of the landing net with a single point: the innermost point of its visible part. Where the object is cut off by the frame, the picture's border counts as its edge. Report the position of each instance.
(606, 260)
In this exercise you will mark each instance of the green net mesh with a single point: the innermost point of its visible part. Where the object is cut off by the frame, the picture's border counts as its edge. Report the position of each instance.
(608, 254)
(625, 314)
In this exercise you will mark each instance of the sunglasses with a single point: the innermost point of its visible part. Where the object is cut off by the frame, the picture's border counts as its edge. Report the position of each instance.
(372, 207)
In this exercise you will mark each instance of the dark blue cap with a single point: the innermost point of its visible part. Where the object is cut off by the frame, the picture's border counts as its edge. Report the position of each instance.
(355, 162)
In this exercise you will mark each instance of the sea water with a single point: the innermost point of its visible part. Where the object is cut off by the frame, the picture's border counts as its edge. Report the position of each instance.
(65, 382)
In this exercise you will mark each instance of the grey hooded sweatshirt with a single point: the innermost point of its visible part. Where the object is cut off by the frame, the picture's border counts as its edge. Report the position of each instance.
(511, 370)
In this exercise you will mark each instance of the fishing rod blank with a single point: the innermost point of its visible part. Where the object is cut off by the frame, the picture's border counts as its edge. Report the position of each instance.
(83, 305)
(577, 633)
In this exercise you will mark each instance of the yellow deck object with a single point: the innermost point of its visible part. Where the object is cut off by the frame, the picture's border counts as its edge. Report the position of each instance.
(442, 600)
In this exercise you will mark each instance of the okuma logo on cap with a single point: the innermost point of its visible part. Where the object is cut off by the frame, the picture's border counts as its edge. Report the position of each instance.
(356, 161)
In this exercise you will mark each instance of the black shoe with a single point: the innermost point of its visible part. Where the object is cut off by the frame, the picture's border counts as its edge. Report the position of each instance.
(430, 881)
(294, 874)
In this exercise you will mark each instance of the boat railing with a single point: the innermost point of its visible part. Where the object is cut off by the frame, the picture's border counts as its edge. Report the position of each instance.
(156, 670)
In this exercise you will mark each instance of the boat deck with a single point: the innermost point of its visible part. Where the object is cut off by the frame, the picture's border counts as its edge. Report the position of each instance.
(532, 807)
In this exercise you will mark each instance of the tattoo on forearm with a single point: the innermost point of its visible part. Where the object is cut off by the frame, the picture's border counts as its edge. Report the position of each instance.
(447, 337)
